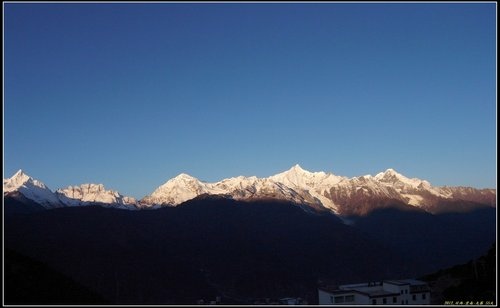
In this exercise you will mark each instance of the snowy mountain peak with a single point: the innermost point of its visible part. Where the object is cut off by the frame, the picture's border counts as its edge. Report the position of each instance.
(392, 172)
(184, 177)
(316, 184)
(409, 188)
(19, 173)
(297, 168)
(388, 173)
(71, 196)
(92, 193)
(88, 188)
(177, 190)
(296, 176)
(20, 179)
(294, 171)
(30, 188)
(392, 176)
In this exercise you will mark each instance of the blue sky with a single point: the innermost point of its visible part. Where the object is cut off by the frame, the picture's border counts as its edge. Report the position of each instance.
(130, 95)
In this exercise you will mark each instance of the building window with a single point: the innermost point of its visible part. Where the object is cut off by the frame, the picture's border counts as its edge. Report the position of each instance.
(402, 302)
(414, 297)
(374, 301)
(331, 299)
(349, 298)
(406, 301)
(423, 295)
(339, 299)
(384, 301)
(394, 299)
(401, 291)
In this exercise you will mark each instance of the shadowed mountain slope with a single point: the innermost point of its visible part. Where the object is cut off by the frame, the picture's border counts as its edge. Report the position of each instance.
(203, 248)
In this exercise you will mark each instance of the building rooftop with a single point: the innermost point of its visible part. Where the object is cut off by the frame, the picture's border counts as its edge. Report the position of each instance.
(401, 282)
(373, 289)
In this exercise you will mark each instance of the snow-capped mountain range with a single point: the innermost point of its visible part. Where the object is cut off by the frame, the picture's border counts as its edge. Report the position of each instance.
(85, 194)
(31, 189)
(319, 190)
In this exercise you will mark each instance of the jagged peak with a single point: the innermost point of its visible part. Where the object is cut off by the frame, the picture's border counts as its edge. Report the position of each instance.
(297, 168)
(100, 187)
(92, 185)
(180, 180)
(184, 176)
(91, 192)
(391, 175)
(19, 172)
(390, 172)
(297, 172)
(19, 179)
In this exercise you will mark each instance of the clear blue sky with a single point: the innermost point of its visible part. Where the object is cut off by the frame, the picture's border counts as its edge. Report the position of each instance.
(130, 95)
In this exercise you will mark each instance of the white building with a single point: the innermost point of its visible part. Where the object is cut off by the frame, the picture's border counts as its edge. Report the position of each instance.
(291, 301)
(387, 292)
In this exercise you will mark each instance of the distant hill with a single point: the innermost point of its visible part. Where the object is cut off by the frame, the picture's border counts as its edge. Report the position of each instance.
(431, 242)
(30, 282)
(473, 281)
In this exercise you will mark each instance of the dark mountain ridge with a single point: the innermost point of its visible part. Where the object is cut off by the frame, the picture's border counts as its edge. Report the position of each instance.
(200, 249)
(30, 282)
(213, 246)
(432, 241)
(474, 282)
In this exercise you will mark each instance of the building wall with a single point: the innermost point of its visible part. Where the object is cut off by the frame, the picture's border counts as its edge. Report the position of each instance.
(389, 300)
(403, 291)
(348, 297)
(392, 287)
(326, 298)
(419, 298)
